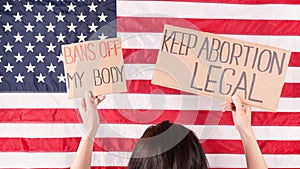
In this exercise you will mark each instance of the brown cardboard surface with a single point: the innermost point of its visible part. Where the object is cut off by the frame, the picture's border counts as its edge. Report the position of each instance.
(217, 66)
(94, 65)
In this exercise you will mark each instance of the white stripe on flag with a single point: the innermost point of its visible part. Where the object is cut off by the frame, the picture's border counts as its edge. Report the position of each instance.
(129, 101)
(64, 160)
(150, 40)
(207, 10)
(60, 130)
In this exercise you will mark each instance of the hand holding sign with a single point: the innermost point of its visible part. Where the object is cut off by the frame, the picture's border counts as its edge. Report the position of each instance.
(212, 65)
(89, 113)
(94, 65)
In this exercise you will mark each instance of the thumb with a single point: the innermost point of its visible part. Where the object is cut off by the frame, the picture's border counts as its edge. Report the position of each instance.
(237, 102)
(88, 99)
(82, 106)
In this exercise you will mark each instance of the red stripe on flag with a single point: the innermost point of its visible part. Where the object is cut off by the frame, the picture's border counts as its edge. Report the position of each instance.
(125, 116)
(140, 56)
(236, 147)
(218, 26)
(295, 59)
(149, 56)
(120, 167)
(145, 86)
(93, 167)
(111, 167)
(128, 144)
(38, 116)
(291, 90)
(209, 168)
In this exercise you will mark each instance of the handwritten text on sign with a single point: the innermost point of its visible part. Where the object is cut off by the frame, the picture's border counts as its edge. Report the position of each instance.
(213, 65)
(94, 65)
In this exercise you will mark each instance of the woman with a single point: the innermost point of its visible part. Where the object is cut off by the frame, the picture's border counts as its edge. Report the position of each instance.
(168, 145)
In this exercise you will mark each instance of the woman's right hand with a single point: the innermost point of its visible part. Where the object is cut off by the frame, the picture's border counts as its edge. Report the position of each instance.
(89, 113)
(241, 114)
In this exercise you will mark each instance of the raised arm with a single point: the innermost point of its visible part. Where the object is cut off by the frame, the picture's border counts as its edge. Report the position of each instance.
(241, 114)
(90, 118)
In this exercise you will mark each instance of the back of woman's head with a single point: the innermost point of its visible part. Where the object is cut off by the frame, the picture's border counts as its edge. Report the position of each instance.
(168, 145)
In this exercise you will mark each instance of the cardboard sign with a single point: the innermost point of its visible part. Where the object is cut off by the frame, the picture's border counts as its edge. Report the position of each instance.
(216, 66)
(94, 65)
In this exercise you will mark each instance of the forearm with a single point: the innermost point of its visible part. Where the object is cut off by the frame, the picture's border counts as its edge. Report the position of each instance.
(253, 154)
(83, 155)
(90, 118)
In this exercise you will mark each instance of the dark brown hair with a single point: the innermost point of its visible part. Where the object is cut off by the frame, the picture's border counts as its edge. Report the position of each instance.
(168, 145)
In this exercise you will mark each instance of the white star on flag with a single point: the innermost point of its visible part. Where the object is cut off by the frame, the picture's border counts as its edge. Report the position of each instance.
(29, 47)
(41, 78)
(93, 27)
(9, 68)
(102, 17)
(30, 68)
(39, 38)
(81, 37)
(61, 78)
(51, 48)
(71, 27)
(28, 7)
(19, 78)
(7, 7)
(8, 47)
(51, 68)
(18, 17)
(102, 36)
(40, 58)
(39, 17)
(60, 17)
(50, 27)
(71, 7)
(60, 38)
(81, 17)
(60, 58)
(18, 37)
(19, 58)
(50, 7)
(29, 27)
(93, 7)
(7, 27)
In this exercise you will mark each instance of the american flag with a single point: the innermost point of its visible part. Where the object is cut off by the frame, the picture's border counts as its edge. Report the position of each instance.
(39, 127)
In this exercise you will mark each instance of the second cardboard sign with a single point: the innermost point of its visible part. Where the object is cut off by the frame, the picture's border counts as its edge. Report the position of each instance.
(213, 65)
